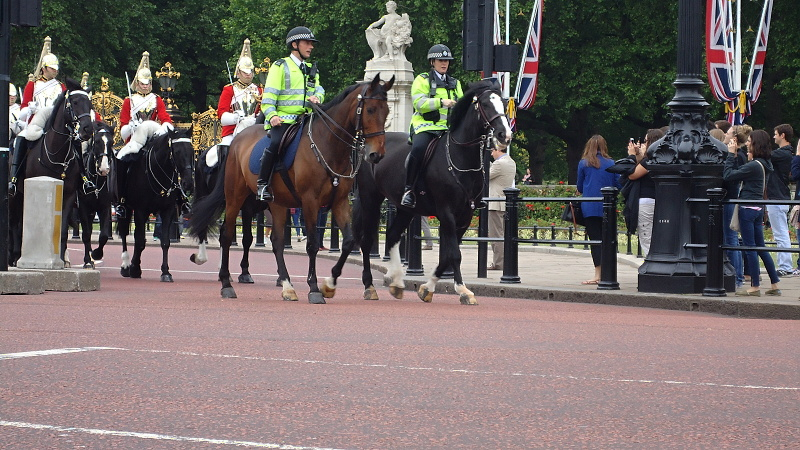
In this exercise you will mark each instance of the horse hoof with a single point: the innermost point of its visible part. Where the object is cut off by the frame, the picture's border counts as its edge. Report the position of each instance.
(316, 298)
(228, 292)
(88, 265)
(125, 272)
(196, 260)
(67, 264)
(289, 296)
(424, 294)
(370, 293)
(136, 272)
(246, 278)
(396, 291)
(327, 292)
(166, 278)
(467, 299)
(97, 254)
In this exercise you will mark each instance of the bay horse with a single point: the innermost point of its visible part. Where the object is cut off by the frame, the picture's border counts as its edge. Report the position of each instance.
(97, 160)
(204, 182)
(449, 187)
(334, 141)
(158, 178)
(54, 155)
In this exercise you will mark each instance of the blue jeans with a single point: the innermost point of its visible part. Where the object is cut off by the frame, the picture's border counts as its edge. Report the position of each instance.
(731, 238)
(751, 222)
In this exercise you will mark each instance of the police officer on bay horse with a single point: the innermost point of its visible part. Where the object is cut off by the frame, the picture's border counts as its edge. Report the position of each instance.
(292, 84)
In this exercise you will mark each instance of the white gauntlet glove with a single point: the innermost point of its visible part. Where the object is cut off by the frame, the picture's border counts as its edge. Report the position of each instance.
(166, 127)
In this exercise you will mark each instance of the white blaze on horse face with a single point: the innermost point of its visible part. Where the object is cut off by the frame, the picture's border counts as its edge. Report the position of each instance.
(497, 102)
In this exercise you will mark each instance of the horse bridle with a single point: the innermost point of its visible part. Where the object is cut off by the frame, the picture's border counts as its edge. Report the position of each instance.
(357, 143)
(174, 177)
(73, 133)
(485, 140)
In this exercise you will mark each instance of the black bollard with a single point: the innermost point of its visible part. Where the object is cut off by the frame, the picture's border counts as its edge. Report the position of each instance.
(260, 229)
(510, 235)
(608, 258)
(715, 282)
(414, 247)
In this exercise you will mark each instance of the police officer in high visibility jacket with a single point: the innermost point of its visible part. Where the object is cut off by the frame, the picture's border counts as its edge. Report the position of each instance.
(432, 95)
(292, 85)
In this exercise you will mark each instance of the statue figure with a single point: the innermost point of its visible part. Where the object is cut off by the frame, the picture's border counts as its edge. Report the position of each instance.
(391, 40)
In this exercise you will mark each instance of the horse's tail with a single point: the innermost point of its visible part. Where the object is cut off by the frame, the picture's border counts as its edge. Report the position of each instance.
(207, 210)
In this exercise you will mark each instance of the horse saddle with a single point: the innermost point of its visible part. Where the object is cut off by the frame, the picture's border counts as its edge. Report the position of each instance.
(419, 185)
(287, 150)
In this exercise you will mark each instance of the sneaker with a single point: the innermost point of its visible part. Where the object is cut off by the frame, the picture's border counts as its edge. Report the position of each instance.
(788, 273)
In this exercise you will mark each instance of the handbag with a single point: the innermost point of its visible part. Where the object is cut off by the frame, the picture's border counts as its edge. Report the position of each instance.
(735, 219)
(794, 216)
(572, 213)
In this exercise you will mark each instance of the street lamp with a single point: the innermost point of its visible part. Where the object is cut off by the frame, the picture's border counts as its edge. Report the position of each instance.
(168, 79)
(262, 71)
(684, 164)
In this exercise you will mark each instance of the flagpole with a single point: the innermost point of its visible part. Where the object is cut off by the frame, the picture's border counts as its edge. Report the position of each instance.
(507, 75)
(525, 52)
(737, 78)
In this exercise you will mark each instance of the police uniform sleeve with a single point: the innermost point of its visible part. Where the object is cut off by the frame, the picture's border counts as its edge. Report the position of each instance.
(272, 86)
(420, 91)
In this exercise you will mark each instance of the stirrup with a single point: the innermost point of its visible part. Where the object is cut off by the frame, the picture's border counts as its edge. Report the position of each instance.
(89, 187)
(122, 211)
(263, 194)
(408, 200)
(12, 188)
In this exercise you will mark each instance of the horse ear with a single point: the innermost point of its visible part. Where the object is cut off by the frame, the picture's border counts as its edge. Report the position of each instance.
(73, 85)
(388, 85)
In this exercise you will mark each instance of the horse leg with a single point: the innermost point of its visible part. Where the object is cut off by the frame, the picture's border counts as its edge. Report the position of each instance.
(247, 241)
(123, 229)
(277, 238)
(139, 242)
(365, 226)
(225, 240)
(201, 256)
(68, 206)
(341, 214)
(168, 223)
(104, 214)
(395, 270)
(312, 248)
(84, 213)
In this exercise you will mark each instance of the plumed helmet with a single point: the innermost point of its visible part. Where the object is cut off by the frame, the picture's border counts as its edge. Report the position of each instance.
(298, 34)
(245, 63)
(46, 58)
(12, 90)
(440, 51)
(143, 74)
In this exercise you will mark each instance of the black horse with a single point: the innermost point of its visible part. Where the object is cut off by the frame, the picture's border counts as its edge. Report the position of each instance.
(56, 154)
(157, 181)
(97, 160)
(449, 188)
(204, 179)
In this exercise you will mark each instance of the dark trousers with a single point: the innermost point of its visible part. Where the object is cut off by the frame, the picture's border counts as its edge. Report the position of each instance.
(594, 228)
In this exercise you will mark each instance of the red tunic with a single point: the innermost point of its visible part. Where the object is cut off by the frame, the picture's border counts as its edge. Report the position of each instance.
(27, 94)
(159, 113)
(227, 104)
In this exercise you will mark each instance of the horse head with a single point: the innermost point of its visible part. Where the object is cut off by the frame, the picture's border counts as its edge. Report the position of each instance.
(78, 105)
(180, 142)
(102, 147)
(373, 117)
(485, 99)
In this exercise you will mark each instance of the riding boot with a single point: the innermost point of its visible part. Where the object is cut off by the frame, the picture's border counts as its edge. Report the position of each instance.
(20, 149)
(265, 175)
(122, 181)
(412, 169)
(88, 186)
(222, 153)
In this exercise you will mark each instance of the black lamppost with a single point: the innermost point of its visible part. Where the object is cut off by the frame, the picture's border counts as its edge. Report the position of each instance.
(262, 70)
(168, 79)
(685, 163)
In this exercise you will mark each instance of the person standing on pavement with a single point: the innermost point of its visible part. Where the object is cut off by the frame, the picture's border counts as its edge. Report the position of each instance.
(592, 176)
(754, 176)
(501, 176)
(778, 189)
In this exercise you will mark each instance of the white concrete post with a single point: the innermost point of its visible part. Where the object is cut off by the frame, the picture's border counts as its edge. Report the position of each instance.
(41, 226)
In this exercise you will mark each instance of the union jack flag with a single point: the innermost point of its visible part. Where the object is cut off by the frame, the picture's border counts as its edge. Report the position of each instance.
(529, 69)
(759, 55)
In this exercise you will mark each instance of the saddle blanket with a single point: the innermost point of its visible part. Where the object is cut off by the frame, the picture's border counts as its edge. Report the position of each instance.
(286, 159)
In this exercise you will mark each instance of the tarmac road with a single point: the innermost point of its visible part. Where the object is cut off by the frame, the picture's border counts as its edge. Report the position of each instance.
(145, 364)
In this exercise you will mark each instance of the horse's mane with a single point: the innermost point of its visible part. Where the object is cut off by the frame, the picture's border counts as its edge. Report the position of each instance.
(459, 111)
(341, 96)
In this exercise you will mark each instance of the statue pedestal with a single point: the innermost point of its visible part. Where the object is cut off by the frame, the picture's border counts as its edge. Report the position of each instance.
(400, 108)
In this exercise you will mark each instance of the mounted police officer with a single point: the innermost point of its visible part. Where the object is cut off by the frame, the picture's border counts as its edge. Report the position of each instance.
(40, 92)
(432, 95)
(240, 101)
(292, 85)
(142, 116)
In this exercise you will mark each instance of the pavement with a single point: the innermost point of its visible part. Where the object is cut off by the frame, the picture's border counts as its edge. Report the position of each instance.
(556, 273)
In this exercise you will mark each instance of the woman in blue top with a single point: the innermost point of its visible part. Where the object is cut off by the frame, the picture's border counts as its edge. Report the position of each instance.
(592, 177)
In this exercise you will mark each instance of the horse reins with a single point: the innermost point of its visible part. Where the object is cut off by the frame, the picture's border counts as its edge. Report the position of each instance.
(73, 135)
(174, 177)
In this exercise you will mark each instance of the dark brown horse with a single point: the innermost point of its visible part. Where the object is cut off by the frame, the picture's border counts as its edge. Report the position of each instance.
(334, 140)
(55, 155)
(97, 160)
(452, 185)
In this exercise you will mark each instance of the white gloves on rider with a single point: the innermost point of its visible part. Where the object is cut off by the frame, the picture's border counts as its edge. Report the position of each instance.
(231, 118)
(32, 108)
(127, 130)
(166, 127)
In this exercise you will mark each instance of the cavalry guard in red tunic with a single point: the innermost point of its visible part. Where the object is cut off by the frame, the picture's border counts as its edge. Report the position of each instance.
(143, 115)
(239, 103)
(39, 95)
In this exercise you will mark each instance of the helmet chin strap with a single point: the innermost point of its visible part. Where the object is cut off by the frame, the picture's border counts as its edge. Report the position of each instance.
(296, 49)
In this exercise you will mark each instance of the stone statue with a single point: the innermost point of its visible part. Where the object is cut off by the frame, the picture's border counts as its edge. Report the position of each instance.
(393, 38)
